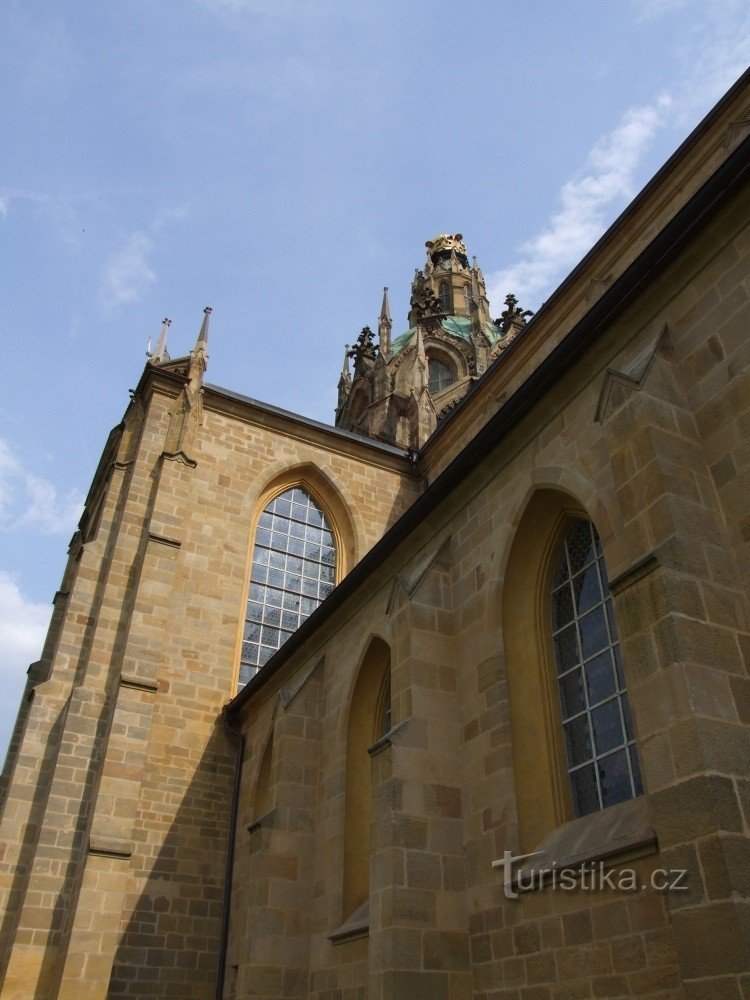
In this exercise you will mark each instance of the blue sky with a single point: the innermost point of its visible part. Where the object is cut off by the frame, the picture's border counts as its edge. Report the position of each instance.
(281, 161)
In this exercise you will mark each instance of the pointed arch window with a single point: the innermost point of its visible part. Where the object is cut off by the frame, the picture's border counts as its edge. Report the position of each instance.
(602, 761)
(439, 375)
(294, 569)
(369, 720)
(446, 298)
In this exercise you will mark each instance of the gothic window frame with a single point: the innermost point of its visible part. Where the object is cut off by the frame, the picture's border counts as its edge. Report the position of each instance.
(383, 713)
(445, 294)
(335, 514)
(522, 615)
(435, 359)
(591, 687)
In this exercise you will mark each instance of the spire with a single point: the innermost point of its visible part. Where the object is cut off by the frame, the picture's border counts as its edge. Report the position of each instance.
(480, 279)
(385, 311)
(160, 351)
(476, 299)
(422, 417)
(419, 369)
(385, 324)
(199, 354)
(203, 335)
(345, 383)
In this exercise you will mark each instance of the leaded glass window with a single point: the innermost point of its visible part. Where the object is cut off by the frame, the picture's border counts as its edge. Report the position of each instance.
(602, 760)
(294, 569)
(446, 298)
(439, 375)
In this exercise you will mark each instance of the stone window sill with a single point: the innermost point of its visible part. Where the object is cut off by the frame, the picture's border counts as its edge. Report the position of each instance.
(386, 741)
(355, 926)
(266, 820)
(622, 832)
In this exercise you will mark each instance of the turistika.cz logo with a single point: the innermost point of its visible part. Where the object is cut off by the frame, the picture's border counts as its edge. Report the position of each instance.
(589, 877)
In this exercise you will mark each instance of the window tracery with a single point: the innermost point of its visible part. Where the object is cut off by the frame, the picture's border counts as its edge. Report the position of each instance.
(439, 376)
(294, 569)
(602, 761)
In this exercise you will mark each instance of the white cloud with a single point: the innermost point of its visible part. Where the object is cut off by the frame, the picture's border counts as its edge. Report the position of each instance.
(609, 176)
(23, 625)
(278, 7)
(57, 211)
(128, 273)
(29, 501)
(649, 10)
(714, 50)
(9, 195)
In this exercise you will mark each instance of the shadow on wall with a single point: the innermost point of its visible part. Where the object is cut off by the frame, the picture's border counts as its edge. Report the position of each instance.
(67, 743)
(169, 943)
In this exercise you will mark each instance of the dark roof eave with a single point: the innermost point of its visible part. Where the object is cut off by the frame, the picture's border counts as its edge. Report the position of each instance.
(632, 206)
(317, 425)
(665, 246)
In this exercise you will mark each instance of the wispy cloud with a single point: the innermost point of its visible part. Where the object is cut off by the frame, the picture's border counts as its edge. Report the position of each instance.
(9, 195)
(279, 7)
(23, 625)
(649, 10)
(609, 176)
(30, 501)
(128, 273)
(58, 211)
(715, 52)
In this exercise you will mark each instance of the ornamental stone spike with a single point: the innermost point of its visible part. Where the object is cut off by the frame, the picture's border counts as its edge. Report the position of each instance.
(203, 335)
(385, 325)
(199, 354)
(385, 311)
(419, 377)
(160, 351)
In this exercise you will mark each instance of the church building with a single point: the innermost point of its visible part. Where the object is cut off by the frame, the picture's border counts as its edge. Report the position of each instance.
(447, 700)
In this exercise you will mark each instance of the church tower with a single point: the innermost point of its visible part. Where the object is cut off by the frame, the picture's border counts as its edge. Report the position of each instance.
(402, 387)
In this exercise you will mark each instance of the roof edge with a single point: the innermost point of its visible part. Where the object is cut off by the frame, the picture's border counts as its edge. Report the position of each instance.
(309, 422)
(641, 273)
(630, 209)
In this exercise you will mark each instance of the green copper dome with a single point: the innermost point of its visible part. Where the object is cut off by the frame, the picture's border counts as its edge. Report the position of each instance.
(456, 326)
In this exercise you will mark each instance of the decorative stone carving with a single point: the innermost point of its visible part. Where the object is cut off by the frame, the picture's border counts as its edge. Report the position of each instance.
(513, 315)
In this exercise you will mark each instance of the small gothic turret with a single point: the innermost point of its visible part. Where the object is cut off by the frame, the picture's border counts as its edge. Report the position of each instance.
(199, 354)
(345, 383)
(160, 353)
(186, 415)
(400, 392)
(385, 324)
